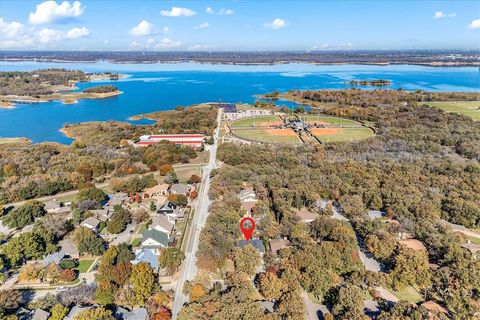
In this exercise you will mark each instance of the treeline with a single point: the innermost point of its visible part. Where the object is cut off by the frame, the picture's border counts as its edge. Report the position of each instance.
(381, 98)
(38, 82)
(186, 120)
(412, 193)
(101, 89)
(377, 82)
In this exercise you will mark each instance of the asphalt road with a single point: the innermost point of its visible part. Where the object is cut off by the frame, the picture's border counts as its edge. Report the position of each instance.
(189, 269)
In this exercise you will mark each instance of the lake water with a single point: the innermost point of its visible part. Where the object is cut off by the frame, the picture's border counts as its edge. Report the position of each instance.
(153, 87)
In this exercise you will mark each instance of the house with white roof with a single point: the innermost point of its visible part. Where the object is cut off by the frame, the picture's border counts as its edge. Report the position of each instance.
(163, 224)
(90, 223)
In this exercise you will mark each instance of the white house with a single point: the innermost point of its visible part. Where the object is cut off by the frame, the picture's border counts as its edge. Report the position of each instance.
(90, 223)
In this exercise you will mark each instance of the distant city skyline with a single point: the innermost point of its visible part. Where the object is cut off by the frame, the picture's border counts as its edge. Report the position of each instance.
(238, 25)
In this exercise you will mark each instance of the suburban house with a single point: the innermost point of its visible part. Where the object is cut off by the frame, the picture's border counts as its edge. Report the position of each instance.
(160, 190)
(155, 239)
(413, 244)
(54, 206)
(305, 215)
(90, 223)
(375, 214)
(248, 199)
(171, 210)
(193, 140)
(163, 224)
(433, 308)
(278, 244)
(137, 314)
(149, 256)
(69, 249)
(40, 314)
(256, 243)
(180, 188)
(55, 257)
(75, 311)
(118, 198)
(102, 214)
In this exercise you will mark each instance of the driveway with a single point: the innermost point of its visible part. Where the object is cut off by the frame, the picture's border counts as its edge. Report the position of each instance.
(125, 235)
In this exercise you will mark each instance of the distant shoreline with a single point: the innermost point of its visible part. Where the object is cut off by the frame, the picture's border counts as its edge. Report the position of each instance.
(449, 64)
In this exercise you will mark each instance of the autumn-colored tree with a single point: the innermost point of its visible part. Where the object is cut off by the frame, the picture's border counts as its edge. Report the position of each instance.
(270, 286)
(197, 292)
(194, 179)
(143, 281)
(166, 168)
(31, 272)
(67, 275)
(246, 259)
(193, 194)
(162, 314)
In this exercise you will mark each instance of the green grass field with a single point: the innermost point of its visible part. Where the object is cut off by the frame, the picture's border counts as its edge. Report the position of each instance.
(467, 108)
(347, 134)
(408, 294)
(328, 119)
(263, 136)
(255, 122)
(83, 265)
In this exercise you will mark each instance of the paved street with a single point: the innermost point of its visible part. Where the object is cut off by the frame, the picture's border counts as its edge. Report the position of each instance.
(189, 268)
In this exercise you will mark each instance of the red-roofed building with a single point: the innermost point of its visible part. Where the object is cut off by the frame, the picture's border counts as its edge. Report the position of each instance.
(193, 140)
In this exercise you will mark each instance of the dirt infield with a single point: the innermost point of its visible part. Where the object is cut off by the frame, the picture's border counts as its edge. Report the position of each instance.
(324, 131)
(281, 132)
(318, 122)
(269, 123)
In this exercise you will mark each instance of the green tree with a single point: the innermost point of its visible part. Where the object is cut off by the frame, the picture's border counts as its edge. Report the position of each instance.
(95, 314)
(171, 259)
(119, 220)
(92, 193)
(25, 214)
(58, 312)
(26, 246)
(87, 241)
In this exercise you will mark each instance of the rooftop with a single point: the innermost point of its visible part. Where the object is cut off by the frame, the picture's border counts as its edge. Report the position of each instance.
(180, 188)
(256, 243)
(278, 244)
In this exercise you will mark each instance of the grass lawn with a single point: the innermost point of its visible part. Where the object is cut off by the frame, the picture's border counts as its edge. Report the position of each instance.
(347, 134)
(263, 136)
(136, 242)
(328, 119)
(255, 121)
(84, 265)
(408, 294)
(184, 174)
(474, 239)
(467, 108)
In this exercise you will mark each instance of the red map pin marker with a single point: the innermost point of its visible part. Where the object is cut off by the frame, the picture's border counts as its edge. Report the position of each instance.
(247, 230)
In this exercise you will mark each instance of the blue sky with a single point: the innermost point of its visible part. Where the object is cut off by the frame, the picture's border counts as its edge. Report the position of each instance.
(238, 25)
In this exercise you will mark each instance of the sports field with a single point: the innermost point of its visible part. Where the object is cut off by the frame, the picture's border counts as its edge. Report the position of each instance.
(467, 108)
(286, 136)
(325, 119)
(341, 134)
(262, 121)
